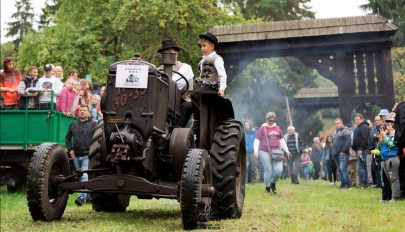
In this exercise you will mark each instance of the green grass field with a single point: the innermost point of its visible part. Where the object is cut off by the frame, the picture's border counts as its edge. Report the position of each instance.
(310, 206)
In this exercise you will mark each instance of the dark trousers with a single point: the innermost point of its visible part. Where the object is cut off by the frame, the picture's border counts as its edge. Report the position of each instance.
(45, 106)
(251, 168)
(10, 107)
(386, 188)
(401, 172)
(186, 109)
(317, 169)
(332, 170)
(362, 168)
(376, 172)
(216, 104)
(294, 166)
(284, 173)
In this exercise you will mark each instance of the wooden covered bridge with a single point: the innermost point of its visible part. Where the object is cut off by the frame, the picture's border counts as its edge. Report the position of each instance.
(353, 52)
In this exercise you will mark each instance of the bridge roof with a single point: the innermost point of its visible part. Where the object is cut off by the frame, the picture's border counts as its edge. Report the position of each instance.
(303, 28)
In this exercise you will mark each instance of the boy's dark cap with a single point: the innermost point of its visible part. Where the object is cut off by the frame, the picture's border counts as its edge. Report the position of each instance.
(48, 67)
(166, 44)
(210, 37)
(390, 120)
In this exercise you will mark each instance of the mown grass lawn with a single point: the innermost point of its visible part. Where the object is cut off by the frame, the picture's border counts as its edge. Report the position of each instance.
(310, 206)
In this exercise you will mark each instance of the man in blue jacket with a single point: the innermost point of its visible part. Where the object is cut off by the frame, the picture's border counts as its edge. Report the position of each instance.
(251, 162)
(340, 151)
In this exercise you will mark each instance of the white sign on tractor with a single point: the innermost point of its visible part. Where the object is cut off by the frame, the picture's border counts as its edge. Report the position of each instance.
(132, 76)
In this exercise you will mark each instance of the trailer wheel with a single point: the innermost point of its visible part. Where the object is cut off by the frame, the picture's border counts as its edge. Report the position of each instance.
(46, 201)
(103, 202)
(196, 172)
(228, 159)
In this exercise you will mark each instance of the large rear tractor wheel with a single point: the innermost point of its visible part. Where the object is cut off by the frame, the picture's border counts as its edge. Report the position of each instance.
(103, 202)
(195, 207)
(46, 200)
(228, 159)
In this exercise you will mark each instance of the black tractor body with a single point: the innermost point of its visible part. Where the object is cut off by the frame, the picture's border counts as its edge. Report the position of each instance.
(137, 150)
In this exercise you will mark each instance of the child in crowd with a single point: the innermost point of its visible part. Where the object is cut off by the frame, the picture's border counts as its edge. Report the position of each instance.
(102, 91)
(389, 155)
(26, 89)
(95, 110)
(75, 104)
(85, 92)
(67, 97)
(306, 164)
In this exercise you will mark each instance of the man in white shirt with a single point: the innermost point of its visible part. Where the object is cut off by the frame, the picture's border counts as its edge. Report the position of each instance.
(45, 85)
(180, 69)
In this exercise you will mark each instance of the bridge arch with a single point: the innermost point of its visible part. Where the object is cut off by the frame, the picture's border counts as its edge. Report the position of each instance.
(354, 53)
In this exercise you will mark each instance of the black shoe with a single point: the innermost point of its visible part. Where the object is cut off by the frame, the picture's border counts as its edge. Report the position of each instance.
(79, 201)
(267, 190)
(273, 188)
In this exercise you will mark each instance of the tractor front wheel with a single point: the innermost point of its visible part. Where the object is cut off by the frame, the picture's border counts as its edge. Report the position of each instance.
(195, 207)
(46, 200)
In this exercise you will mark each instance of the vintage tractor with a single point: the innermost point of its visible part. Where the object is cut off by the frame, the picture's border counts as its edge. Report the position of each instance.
(136, 150)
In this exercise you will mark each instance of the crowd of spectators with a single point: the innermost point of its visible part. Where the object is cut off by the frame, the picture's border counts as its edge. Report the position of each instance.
(369, 154)
(28, 91)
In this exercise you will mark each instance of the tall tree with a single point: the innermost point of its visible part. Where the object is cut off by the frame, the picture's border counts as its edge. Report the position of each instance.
(48, 13)
(394, 10)
(22, 23)
(398, 66)
(270, 10)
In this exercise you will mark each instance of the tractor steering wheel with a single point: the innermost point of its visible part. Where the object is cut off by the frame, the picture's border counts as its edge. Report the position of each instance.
(182, 77)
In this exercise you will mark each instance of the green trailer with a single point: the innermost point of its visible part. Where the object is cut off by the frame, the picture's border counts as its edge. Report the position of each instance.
(20, 132)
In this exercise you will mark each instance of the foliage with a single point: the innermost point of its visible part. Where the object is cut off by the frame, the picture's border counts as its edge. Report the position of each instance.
(91, 34)
(22, 23)
(398, 64)
(309, 206)
(271, 10)
(266, 83)
(48, 13)
(48, 47)
(7, 50)
(394, 10)
(309, 127)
